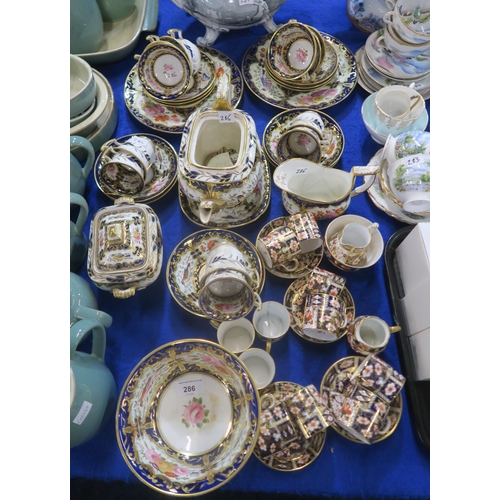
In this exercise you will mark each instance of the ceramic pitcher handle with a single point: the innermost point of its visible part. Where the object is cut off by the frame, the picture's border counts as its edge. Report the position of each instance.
(76, 199)
(370, 172)
(79, 332)
(77, 141)
(94, 314)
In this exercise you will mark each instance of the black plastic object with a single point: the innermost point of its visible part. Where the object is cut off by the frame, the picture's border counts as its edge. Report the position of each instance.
(418, 391)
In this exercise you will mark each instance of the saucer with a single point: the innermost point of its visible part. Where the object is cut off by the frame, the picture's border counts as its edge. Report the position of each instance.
(164, 172)
(267, 90)
(379, 131)
(366, 15)
(254, 212)
(294, 302)
(300, 454)
(275, 128)
(334, 382)
(385, 204)
(307, 261)
(190, 255)
(390, 64)
(373, 79)
(163, 118)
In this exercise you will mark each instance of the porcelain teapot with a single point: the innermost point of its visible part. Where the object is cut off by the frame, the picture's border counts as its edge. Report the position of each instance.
(220, 16)
(92, 385)
(324, 192)
(220, 163)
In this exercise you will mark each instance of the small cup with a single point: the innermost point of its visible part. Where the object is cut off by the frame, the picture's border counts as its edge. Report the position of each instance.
(391, 106)
(309, 411)
(410, 19)
(379, 377)
(300, 141)
(237, 335)
(224, 256)
(395, 44)
(280, 248)
(370, 335)
(306, 228)
(351, 243)
(271, 321)
(324, 316)
(83, 87)
(122, 172)
(310, 119)
(360, 412)
(261, 366)
(323, 281)
(223, 282)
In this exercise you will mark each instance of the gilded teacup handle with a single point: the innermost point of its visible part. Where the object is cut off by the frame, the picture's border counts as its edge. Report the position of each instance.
(370, 171)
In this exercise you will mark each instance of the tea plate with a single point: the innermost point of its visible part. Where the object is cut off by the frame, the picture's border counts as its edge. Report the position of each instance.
(163, 118)
(294, 301)
(275, 128)
(307, 261)
(334, 382)
(384, 203)
(367, 15)
(253, 211)
(190, 255)
(164, 168)
(188, 417)
(300, 454)
(266, 89)
(390, 64)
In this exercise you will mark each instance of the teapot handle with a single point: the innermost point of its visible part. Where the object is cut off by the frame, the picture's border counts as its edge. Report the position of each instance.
(77, 141)
(224, 94)
(76, 199)
(79, 332)
(370, 171)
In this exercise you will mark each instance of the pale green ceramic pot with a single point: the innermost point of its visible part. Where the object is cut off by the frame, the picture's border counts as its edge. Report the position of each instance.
(86, 27)
(92, 385)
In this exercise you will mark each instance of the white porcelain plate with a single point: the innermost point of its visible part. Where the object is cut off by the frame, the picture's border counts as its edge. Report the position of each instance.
(188, 417)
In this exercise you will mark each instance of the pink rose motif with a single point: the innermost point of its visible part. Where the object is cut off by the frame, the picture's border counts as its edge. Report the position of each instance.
(195, 414)
(181, 471)
(152, 456)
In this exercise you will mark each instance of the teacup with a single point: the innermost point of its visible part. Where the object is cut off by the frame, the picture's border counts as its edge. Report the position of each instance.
(300, 141)
(410, 19)
(408, 143)
(324, 316)
(79, 174)
(83, 87)
(223, 282)
(310, 119)
(224, 256)
(122, 172)
(401, 48)
(379, 377)
(323, 281)
(280, 247)
(360, 412)
(309, 412)
(410, 182)
(83, 304)
(307, 230)
(237, 335)
(92, 385)
(77, 238)
(350, 244)
(277, 430)
(261, 366)
(271, 321)
(370, 335)
(192, 51)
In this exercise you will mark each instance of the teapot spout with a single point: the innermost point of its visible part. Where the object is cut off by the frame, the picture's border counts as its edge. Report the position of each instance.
(207, 207)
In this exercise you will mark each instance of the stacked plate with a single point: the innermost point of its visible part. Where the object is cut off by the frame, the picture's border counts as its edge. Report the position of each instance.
(299, 58)
(173, 71)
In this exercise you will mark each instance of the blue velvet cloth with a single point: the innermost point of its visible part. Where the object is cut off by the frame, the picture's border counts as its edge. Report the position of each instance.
(398, 467)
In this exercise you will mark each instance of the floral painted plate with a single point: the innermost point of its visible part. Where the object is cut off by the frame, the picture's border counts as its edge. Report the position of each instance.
(188, 417)
(367, 15)
(164, 177)
(275, 128)
(252, 213)
(190, 255)
(266, 89)
(307, 261)
(163, 118)
(294, 302)
(391, 65)
(333, 385)
(298, 455)
(385, 204)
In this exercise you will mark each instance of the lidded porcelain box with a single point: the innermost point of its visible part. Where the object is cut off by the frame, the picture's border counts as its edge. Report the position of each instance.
(125, 247)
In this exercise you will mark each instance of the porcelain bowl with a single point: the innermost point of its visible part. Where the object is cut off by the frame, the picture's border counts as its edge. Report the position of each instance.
(375, 247)
(82, 85)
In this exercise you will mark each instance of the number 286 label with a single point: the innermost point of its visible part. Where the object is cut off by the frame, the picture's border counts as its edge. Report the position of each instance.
(190, 387)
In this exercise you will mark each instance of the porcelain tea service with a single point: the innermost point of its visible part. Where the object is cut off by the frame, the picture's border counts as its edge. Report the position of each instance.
(320, 191)
(92, 385)
(370, 335)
